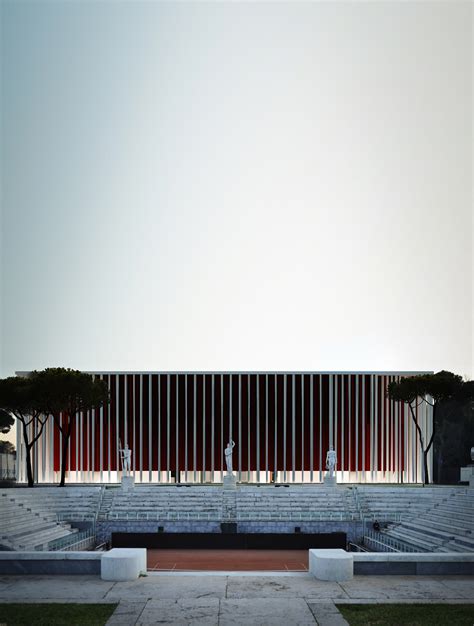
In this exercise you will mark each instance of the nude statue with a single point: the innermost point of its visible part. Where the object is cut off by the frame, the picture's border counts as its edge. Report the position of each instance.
(126, 456)
(331, 461)
(228, 456)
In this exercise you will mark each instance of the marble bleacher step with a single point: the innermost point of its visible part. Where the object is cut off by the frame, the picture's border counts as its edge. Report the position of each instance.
(468, 542)
(429, 530)
(16, 526)
(449, 525)
(464, 513)
(41, 540)
(36, 531)
(411, 538)
(457, 546)
(9, 514)
(448, 547)
(451, 509)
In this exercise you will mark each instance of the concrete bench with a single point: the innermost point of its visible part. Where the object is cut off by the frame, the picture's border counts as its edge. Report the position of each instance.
(50, 563)
(121, 564)
(413, 563)
(331, 564)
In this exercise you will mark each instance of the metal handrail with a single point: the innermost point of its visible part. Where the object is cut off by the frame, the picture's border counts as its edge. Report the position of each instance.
(320, 516)
(168, 516)
(388, 543)
(83, 538)
(75, 516)
(382, 517)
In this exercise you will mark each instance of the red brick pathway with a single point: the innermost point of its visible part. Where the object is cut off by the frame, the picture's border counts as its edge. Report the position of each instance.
(228, 560)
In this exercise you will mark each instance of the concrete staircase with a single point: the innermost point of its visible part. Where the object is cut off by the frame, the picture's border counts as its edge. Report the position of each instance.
(178, 503)
(446, 526)
(399, 503)
(229, 505)
(23, 527)
(247, 503)
(106, 504)
(418, 519)
(67, 503)
(30, 518)
(295, 503)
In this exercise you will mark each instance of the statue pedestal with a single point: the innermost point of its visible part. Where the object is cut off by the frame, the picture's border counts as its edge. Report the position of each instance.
(330, 481)
(230, 482)
(128, 482)
(467, 475)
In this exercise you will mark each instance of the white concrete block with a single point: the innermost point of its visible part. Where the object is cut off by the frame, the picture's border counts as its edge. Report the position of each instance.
(230, 482)
(141, 555)
(331, 564)
(121, 564)
(127, 483)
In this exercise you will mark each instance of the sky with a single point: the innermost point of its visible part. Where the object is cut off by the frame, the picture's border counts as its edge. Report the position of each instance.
(236, 186)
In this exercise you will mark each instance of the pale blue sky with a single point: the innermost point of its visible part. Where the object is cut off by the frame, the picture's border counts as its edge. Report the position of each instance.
(236, 186)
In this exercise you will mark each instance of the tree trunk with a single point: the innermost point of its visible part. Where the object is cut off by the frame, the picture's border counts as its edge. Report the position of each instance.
(430, 443)
(425, 465)
(420, 439)
(29, 468)
(66, 437)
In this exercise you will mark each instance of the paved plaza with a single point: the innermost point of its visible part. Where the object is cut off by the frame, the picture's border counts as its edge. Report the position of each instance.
(234, 598)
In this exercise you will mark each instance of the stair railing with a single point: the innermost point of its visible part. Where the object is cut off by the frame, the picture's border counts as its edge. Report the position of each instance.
(384, 541)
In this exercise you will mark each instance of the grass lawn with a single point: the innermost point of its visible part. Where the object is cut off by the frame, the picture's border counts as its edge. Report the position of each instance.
(408, 614)
(55, 614)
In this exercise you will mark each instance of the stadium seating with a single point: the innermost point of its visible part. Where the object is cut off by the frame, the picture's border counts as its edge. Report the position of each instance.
(442, 522)
(31, 518)
(163, 503)
(412, 518)
(295, 503)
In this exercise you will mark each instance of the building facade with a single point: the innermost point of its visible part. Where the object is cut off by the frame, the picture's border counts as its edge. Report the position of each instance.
(177, 425)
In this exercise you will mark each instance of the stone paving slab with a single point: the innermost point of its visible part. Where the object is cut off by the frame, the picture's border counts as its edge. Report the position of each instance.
(327, 614)
(291, 587)
(234, 600)
(183, 611)
(462, 585)
(168, 587)
(72, 588)
(265, 611)
(126, 614)
(398, 587)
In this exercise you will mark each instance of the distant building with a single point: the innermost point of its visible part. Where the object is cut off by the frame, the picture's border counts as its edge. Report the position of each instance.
(178, 423)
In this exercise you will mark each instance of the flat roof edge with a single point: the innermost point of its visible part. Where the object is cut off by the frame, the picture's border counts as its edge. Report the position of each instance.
(235, 372)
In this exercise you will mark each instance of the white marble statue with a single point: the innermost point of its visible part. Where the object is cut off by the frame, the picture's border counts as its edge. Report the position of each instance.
(331, 461)
(126, 456)
(228, 456)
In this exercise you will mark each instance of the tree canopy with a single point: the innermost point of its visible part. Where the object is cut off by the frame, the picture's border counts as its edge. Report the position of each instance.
(436, 390)
(70, 391)
(65, 394)
(6, 421)
(6, 447)
(58, 392)
(22, 398)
